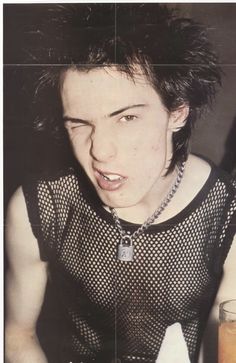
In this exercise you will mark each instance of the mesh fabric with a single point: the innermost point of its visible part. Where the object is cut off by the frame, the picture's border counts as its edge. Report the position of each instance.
(121, 309)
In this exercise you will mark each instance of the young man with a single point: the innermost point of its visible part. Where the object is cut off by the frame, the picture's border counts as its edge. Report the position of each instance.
(135, 236)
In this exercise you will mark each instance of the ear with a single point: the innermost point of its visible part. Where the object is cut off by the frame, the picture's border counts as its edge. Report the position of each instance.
(178, 118)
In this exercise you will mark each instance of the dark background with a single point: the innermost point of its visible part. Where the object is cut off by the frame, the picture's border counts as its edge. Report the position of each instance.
(214, 136)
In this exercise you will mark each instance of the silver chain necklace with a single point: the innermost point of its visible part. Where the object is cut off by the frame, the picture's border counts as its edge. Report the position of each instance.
(125, 247)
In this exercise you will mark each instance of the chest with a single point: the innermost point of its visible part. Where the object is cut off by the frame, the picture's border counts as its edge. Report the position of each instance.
(169, 266)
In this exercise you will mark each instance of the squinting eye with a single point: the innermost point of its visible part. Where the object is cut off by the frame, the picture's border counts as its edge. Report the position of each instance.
(77, 126)
(74, 126)
(128, 118)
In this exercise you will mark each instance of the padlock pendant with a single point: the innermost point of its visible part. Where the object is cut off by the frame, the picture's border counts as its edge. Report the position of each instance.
(125, 253)
(125, 249)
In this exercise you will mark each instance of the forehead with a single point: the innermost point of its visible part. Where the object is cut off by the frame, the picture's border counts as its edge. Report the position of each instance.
(104, 89)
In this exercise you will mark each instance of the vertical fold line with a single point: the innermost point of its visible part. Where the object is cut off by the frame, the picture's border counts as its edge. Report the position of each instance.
(115, 302)
(116, 263)
(115, 50)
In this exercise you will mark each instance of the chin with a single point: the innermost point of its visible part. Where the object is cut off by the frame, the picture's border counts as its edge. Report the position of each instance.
(114, 201)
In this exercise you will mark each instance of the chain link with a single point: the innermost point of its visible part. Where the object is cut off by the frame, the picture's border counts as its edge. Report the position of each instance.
(157, 212)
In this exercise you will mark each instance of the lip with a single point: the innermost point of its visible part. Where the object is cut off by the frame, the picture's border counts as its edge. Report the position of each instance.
(108, 185)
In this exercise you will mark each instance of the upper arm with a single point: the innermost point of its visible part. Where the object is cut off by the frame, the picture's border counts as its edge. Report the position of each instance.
(27, 274)
(227, 288)
(227, 291)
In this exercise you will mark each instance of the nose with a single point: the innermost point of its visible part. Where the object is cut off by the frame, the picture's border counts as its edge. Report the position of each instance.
(103, 146)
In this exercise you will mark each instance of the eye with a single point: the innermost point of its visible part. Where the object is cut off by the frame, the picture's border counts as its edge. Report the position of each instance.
(128, 118)
(74, 126)
(77, 126)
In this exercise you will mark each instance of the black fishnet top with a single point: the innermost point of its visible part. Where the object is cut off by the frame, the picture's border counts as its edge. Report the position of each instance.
(121, 309)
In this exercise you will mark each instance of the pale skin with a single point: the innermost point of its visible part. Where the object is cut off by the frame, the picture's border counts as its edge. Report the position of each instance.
(24, 295)
(26, 282)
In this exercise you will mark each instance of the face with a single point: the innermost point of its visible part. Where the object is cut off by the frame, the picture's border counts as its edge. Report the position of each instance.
(120, 133)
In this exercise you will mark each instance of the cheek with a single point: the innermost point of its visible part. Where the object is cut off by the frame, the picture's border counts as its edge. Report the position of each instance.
(148, 150)
(79, 148)
(74, 143)
(79, 140)
(159, 142)
(156, 144)
(155, 147)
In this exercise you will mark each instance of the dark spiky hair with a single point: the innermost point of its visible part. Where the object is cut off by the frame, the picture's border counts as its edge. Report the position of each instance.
(173, 53)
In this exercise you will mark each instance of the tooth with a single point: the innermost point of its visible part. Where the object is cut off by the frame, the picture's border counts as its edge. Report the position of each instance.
(111, 177)
(114, 177)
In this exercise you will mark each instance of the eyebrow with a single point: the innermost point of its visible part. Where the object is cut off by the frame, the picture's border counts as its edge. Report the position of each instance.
(115, 113)
(74, 120)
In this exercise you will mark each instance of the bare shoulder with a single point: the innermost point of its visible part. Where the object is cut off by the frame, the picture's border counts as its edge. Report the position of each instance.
(17, 216)
(17, 205)
(20, 241)
(197, 172)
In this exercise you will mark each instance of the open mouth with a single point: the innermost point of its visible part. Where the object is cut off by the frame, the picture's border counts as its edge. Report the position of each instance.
(109, 181)
(111, 177)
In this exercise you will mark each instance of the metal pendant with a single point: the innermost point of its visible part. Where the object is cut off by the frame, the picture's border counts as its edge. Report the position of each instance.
(126, 249)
